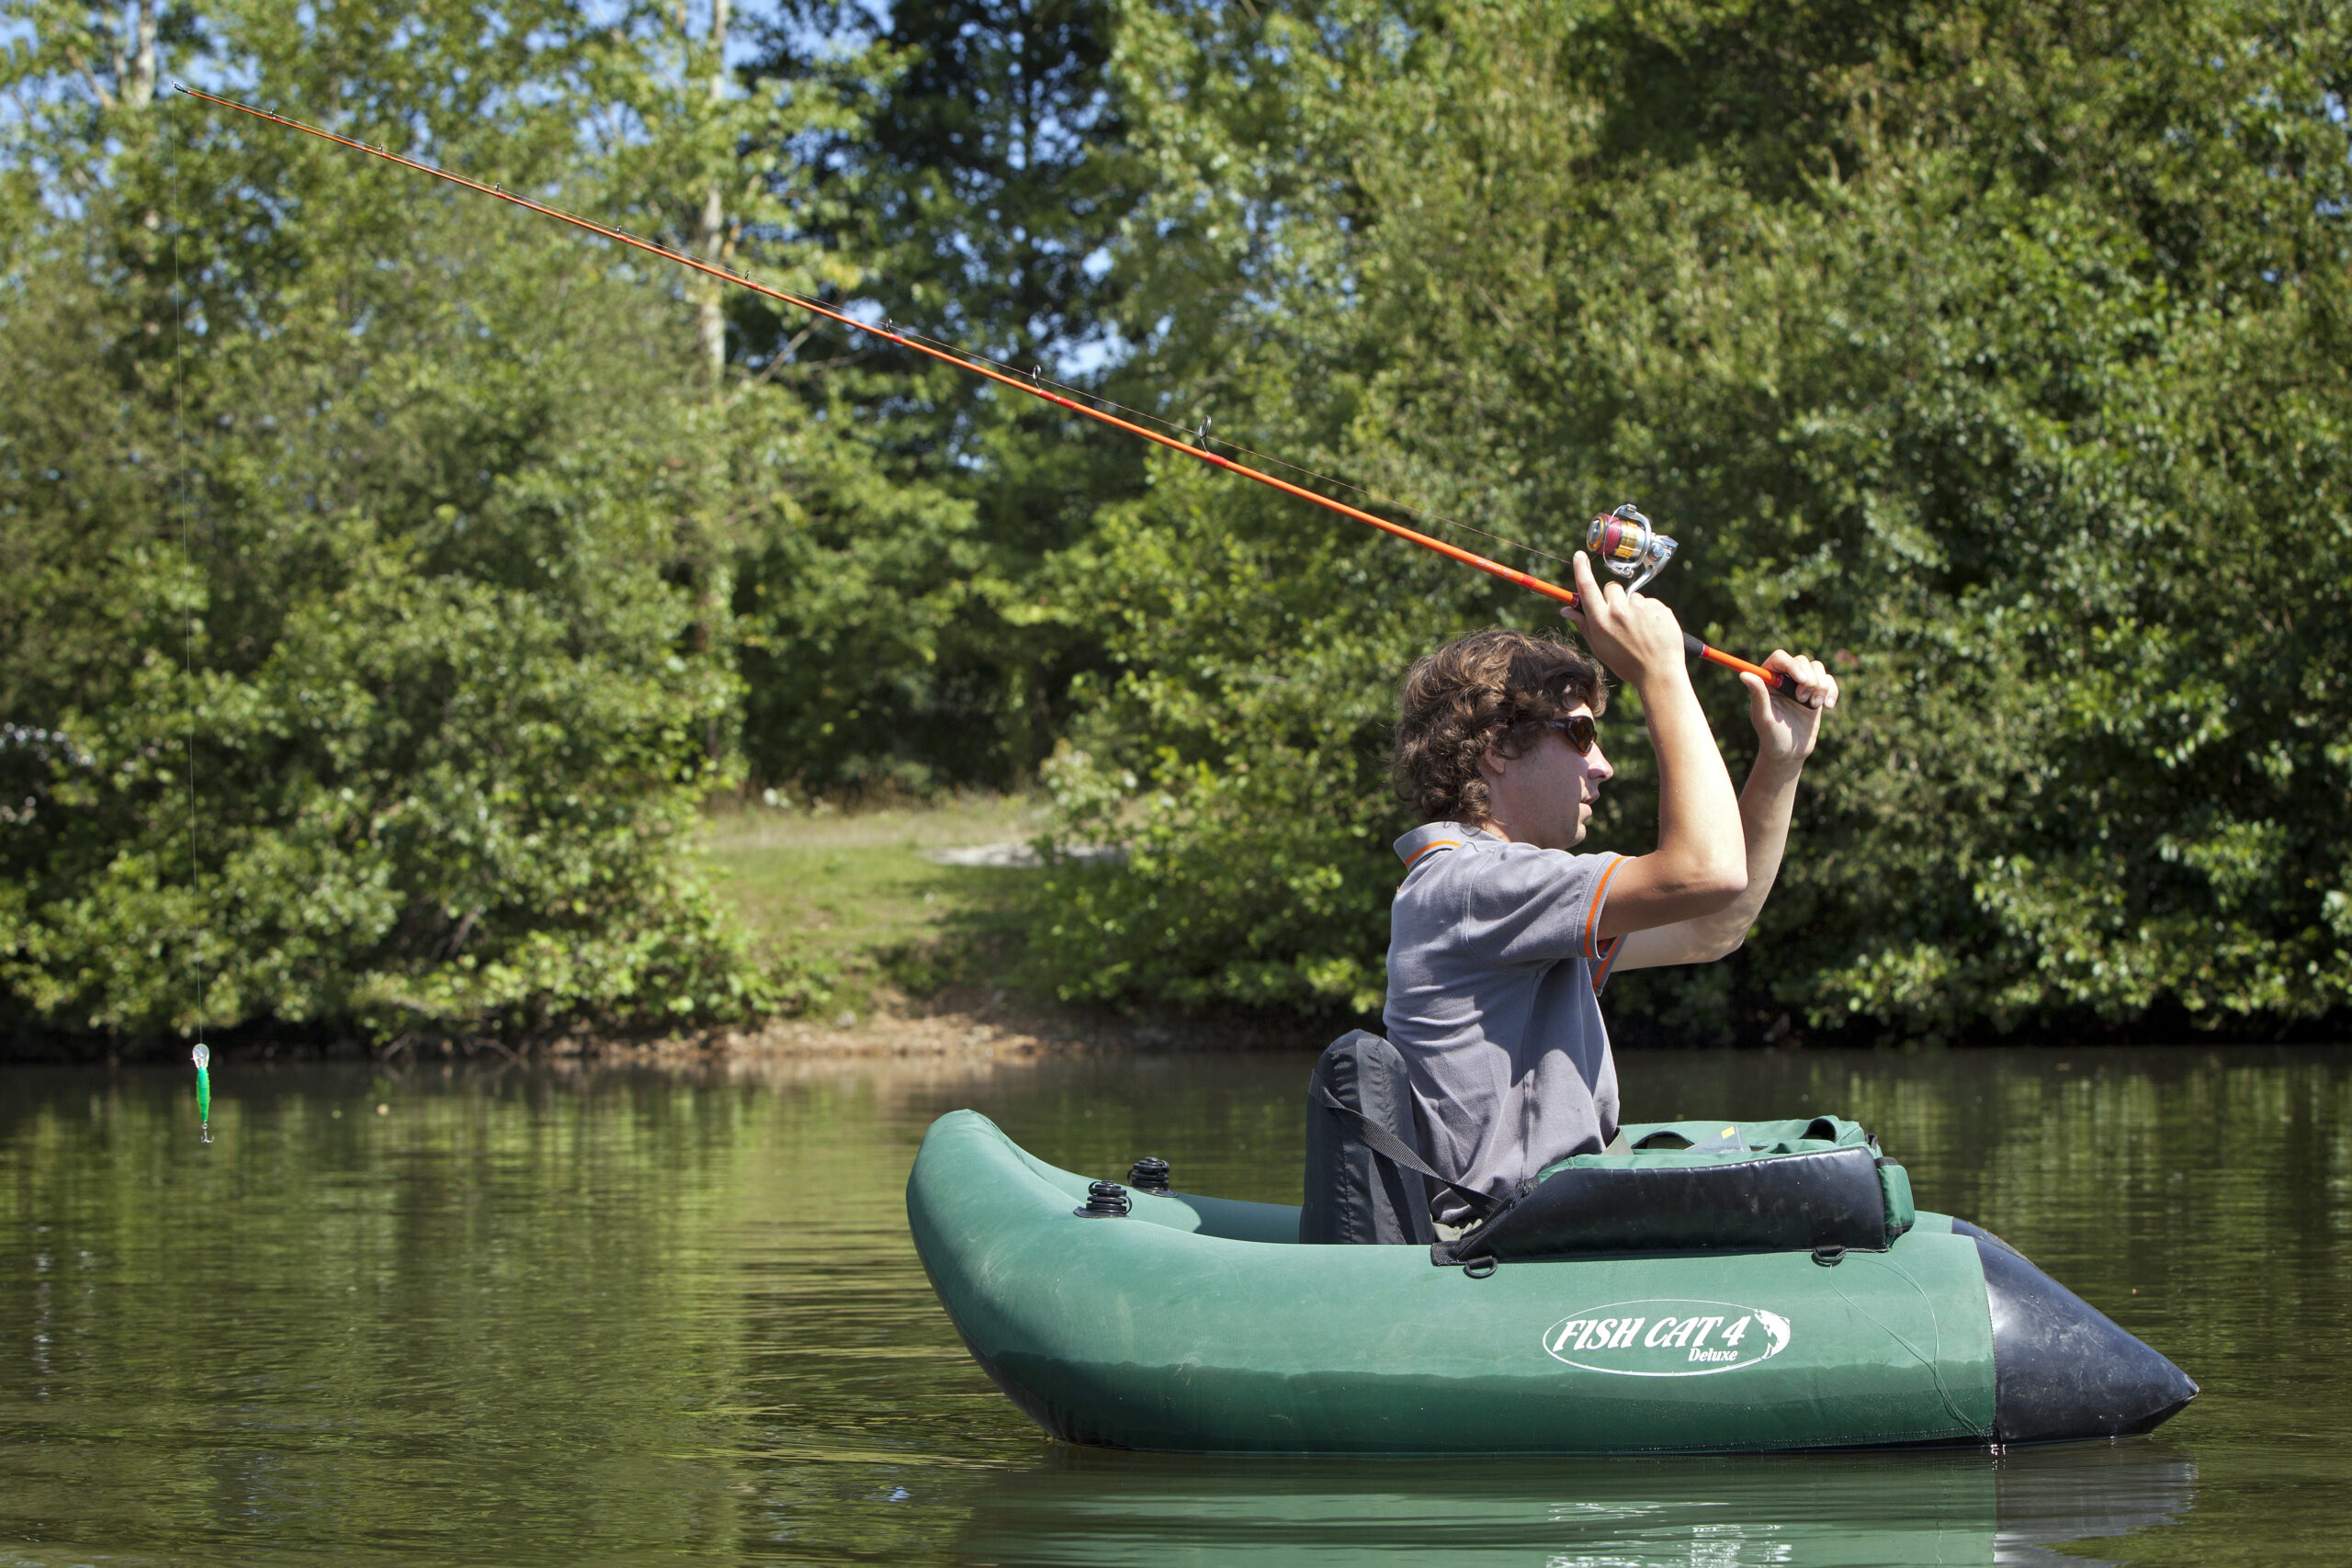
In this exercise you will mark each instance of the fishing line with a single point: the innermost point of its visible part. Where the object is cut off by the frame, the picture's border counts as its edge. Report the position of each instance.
(202, 1054)
(1425, 515)
(1033, 387)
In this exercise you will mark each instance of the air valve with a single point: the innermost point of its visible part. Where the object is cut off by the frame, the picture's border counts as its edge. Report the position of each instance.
(1104, 1201)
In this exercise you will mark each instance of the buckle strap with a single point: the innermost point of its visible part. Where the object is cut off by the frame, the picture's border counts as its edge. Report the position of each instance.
(1388, 1147)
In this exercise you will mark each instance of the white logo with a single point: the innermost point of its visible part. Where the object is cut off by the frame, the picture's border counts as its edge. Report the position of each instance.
(1666, 1338)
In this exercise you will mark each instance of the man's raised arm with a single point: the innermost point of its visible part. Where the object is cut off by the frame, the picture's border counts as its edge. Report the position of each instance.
(1700, 864)
(1785, 734)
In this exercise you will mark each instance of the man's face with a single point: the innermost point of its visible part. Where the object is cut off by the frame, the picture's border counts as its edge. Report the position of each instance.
(1545, 795)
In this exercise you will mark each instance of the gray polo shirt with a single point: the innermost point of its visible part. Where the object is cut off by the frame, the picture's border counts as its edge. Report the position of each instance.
(1495, 969)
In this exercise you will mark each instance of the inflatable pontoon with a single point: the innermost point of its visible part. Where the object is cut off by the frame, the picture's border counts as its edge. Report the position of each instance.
(1774, 1290)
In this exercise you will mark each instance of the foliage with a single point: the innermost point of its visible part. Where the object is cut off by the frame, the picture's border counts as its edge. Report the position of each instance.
(448, 638)
(1998, 351)
(928, 640)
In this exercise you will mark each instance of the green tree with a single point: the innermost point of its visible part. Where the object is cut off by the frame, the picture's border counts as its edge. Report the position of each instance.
(1997, 351)
(933, 642)
(460, 493)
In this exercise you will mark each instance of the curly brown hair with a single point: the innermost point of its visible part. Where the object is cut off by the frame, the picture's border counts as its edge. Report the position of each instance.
(1492, 688)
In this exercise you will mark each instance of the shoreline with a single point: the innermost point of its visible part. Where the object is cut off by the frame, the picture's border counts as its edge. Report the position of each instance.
(983, 1031)
(959, 1028)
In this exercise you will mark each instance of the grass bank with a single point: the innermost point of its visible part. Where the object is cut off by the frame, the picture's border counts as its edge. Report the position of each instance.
(850, 900)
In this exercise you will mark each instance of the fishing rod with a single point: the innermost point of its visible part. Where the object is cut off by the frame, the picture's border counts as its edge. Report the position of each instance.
(1622, 540)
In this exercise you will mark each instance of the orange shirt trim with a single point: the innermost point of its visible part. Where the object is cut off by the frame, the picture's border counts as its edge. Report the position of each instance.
(1433, 845)
(1592, 914)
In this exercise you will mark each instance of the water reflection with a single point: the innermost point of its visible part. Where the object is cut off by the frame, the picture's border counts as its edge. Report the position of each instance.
(1844, 1511)
(543, 1317)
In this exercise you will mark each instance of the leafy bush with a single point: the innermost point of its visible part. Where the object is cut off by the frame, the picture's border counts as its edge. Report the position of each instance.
(405, 516)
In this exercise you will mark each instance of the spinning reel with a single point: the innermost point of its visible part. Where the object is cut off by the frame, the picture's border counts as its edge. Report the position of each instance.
(1627, 544)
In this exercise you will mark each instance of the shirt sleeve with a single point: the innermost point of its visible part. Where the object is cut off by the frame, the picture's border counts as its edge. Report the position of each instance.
(1530, 905)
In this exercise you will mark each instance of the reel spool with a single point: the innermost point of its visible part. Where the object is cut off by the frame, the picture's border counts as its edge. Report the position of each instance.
(1627, 544)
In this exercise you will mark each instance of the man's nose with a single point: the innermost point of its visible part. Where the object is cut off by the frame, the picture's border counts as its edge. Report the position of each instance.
(1596, 764)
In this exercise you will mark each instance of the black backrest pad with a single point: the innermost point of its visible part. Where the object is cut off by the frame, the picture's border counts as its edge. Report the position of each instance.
(1354, 1195)
(1830, 1198)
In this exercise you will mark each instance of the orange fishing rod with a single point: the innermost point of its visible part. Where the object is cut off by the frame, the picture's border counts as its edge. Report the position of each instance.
(1621, 540)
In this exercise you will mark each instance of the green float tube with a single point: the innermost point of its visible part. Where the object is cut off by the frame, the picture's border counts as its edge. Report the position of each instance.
(1189, 1324)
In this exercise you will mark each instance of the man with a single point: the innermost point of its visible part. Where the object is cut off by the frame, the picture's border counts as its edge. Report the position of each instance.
(1500, 938)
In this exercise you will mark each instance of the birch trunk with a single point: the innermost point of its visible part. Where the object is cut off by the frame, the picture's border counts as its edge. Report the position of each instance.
(138, 81)
(712, 239)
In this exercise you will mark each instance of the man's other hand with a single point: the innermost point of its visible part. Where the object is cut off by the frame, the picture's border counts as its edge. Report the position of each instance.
(1786, 727)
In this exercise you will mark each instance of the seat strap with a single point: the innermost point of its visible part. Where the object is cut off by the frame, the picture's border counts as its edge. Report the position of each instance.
(1390, 1147)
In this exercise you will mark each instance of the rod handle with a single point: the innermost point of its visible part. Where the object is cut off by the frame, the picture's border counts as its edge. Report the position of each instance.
(1784, 684)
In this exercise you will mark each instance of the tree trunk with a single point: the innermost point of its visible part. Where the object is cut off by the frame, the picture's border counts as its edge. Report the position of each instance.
(139, 83)
(712, 240)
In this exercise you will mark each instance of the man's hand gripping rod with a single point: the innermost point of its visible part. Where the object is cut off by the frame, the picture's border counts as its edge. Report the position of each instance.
(1647, 540)
(1627, 544)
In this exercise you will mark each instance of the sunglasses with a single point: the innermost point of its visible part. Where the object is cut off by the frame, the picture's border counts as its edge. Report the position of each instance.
(1580, 730)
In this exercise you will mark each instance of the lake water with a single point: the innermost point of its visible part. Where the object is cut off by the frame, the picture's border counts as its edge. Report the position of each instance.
(618, 1317)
